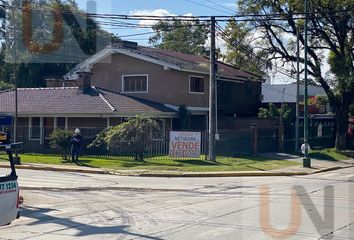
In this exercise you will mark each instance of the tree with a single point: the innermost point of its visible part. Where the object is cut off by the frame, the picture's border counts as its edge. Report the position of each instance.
(321, 100)
(33, 69)
(240, 53)
(181, 36)
(330, 33)
(2, 19)
(273, 112)
(5, 86)
(351, 110)
(60, 138)
(268, 113)
(134, 135)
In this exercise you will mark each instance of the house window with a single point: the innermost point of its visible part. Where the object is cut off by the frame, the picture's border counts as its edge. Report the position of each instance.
(61, 122)
(35, 128)
(196, 84)
(135, 84)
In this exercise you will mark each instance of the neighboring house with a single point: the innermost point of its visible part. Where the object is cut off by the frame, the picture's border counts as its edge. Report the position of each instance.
(286, 93)
(125, 80)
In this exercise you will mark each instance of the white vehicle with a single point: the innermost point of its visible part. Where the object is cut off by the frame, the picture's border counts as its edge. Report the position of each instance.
(9, 189)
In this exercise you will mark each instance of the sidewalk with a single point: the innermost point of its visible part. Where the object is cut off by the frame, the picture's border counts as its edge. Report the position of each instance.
(318, 166)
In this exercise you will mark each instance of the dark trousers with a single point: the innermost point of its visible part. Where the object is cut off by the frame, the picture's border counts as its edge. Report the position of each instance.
(75, 152)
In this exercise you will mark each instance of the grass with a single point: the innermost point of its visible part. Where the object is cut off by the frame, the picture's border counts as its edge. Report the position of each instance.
(246, 163)
(329, 154)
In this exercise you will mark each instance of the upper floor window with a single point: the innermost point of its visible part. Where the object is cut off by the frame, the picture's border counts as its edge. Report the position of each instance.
(196, 84)
(135, 83)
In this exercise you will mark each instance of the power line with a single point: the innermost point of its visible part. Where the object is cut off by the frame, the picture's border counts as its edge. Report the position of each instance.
(228, 40)
(244, 17)
(220, 5)
(206, 6)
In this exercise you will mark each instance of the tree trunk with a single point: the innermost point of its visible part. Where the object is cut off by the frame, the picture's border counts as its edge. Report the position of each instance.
(342, 126)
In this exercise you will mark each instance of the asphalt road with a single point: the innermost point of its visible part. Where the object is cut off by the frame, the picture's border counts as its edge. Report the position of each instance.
(84, 206)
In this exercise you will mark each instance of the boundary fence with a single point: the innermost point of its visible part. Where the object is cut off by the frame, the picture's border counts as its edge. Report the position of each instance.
(231, 143)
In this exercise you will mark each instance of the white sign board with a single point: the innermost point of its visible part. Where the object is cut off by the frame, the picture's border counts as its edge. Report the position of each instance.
(185, 144)
(8, 201)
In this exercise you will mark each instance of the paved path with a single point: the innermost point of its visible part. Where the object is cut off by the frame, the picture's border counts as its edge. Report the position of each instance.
(83, 206)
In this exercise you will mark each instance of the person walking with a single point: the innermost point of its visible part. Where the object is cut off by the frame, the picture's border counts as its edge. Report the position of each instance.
(76, 143)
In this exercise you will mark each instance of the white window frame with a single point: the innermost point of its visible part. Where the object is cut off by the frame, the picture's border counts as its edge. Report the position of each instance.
(136, 75)
(189, 83)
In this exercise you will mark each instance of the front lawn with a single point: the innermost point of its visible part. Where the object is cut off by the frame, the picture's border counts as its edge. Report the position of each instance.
(247, 163)
(329, 154)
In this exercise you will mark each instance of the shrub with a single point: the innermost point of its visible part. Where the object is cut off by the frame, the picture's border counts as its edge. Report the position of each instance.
(134, 135)
(273, 112)
(6, 86)
(60, 138)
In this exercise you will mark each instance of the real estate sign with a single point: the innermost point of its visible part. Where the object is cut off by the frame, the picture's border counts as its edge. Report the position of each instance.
(185, 144)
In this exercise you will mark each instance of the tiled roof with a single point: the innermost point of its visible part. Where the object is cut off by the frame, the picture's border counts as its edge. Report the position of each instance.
(180, 61)
(194, 62)
(32, 101)
(126, 104)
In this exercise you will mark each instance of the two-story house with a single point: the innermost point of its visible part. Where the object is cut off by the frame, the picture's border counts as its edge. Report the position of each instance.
(125, 80)
(173, 79)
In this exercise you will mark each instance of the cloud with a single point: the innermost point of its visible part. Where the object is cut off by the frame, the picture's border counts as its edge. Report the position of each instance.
(219, 42)
(153, 12)
(232, 6)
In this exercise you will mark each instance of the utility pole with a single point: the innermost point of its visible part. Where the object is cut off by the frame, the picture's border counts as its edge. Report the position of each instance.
(14, 25)
(307, 160)
(15, 76)
(297, 123)
(212, 94)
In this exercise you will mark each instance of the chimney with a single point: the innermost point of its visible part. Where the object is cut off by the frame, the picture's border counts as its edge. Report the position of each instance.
(84, 81)
(125, 44)
(54, 82)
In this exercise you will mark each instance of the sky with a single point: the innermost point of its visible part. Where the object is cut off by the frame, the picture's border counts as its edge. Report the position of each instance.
(158, 8)
(166, 8)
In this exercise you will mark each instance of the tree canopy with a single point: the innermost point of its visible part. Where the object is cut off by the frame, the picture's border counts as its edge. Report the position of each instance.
(81, 38)
(182, 36)
(240, 53)
(331, 39)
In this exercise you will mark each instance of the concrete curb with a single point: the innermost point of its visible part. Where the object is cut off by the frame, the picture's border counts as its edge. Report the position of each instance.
(145, 173)
(223, 174)
(331, 169)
